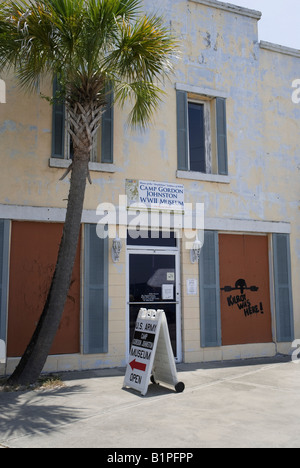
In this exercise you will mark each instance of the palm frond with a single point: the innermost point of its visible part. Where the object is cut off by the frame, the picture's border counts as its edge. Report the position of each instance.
(144, 49)
(144, 97)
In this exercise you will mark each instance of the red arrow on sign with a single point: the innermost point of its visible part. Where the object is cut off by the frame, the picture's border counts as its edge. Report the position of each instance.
(137, 365)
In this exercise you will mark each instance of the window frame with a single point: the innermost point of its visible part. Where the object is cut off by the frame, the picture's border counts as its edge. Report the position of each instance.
(104, 160)
(215, 133)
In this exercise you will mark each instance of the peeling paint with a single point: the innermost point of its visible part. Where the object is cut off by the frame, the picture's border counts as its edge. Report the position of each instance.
(8, 126)
(163, 145)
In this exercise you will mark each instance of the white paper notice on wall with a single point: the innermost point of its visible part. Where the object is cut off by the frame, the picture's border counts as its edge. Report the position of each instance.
(192, 287)
(2, 92)
(2, 352)
(151, 354)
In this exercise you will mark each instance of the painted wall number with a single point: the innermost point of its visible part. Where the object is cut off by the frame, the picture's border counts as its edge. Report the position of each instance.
(296, 352)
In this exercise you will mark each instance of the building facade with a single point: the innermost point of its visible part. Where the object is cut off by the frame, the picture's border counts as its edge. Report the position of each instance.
(221, 159)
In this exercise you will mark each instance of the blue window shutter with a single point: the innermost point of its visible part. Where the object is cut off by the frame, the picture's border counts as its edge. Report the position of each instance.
(95, 321)
(283, 288)
(4, 267)
(182, 131)
(58, 126)
(210, 310)
(107, 142)
(222, 136)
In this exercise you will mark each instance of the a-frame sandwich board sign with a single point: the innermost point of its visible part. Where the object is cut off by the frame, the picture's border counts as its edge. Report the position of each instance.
(151, 355)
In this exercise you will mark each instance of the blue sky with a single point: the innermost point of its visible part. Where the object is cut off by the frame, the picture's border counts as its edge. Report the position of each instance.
(280, 22)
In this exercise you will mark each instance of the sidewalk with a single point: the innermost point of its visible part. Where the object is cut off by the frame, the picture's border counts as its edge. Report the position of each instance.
(252, 403)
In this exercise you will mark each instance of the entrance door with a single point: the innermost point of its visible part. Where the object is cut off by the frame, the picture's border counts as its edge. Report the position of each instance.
(154, 284)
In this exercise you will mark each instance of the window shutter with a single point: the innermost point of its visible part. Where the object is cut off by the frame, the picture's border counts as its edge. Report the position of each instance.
(283, 288)
(182, 130)
(58, 126)
(95, 321)
(210, 311)
(4, 266)
(107, 132)
(222, 136)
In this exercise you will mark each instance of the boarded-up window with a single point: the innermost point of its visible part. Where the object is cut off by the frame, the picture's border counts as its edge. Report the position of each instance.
(34, 249)
(245, 292)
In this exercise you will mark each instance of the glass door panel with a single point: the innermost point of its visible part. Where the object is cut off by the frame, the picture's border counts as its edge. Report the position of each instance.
(153, 285)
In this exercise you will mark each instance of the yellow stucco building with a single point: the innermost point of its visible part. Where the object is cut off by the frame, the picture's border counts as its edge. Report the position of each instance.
(222, 156)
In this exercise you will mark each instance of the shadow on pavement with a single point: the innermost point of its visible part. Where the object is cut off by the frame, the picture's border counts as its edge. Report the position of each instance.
(24, 412)
(280, 358)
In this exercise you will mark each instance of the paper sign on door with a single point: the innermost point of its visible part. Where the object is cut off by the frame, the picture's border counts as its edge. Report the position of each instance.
(167, 292)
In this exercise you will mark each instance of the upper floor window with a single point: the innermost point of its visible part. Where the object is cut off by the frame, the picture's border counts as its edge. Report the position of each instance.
(201, 134)
(197, 148)
(62, 148)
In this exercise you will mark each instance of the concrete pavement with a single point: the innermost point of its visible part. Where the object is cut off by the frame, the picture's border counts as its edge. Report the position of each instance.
(251, 403)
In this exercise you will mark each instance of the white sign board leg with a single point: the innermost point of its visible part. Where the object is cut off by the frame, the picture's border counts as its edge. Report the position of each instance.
(164, 368)
(151, 354)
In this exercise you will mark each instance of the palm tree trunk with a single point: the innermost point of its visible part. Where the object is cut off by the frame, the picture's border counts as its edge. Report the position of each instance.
(35, 356)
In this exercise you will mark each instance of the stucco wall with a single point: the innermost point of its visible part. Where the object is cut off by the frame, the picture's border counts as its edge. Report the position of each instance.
(219, 51)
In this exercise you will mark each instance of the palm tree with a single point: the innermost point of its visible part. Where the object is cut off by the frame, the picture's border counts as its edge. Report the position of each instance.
(91, 47)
